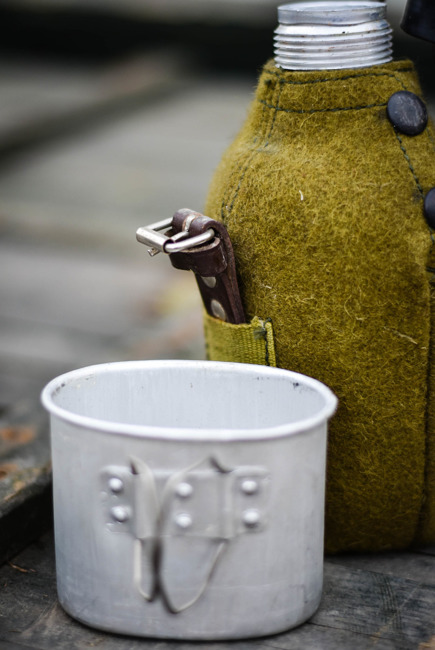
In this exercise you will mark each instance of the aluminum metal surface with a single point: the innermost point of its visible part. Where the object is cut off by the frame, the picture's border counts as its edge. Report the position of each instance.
(332, 35)
(194, 517)
(335, 12)
(163, 243)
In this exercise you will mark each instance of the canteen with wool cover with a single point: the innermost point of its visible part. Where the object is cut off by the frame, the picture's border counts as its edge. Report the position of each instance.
(328, 196)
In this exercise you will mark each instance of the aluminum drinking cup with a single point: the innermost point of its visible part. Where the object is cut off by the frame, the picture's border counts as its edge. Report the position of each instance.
(189, 497)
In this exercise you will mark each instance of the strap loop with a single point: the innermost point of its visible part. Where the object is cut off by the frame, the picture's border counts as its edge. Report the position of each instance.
(197, 243)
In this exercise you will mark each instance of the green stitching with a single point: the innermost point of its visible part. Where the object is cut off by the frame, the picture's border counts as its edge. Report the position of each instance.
(266, 349)
(259, 149)
(422, 513)
(321, 110)
(247, 159)
(351, 76)
(417, 182)
(261, 333)
(345, 78)
(266, 341)
(408, 160)
(273, 119)
(400, 81)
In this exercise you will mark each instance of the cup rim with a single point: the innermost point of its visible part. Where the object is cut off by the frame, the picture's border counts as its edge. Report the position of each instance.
(181, 433)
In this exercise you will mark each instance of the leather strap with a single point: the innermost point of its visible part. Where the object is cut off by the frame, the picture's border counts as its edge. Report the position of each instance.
(213, 265)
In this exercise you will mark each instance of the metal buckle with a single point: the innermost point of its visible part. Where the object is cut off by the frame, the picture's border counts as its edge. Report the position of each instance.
(161, 243)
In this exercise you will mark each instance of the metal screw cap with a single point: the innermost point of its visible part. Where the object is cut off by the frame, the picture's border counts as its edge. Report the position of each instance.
(325, 12)
(332, 35)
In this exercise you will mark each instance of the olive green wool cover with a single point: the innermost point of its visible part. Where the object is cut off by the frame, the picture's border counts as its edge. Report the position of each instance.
(323, 201)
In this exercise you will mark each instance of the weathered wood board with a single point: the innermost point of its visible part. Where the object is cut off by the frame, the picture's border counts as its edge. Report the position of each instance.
(360, 609)
(25, 476)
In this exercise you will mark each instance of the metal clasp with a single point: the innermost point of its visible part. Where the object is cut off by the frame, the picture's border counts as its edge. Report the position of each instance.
(160, 242)
(205, 502)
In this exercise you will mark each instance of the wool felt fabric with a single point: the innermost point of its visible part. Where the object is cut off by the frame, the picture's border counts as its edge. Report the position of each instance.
(323, 201)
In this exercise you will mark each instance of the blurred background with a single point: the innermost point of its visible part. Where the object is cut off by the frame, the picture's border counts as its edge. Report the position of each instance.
(113, 114)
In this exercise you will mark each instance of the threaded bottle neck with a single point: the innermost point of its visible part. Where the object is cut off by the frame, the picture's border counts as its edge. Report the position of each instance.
(331, 35)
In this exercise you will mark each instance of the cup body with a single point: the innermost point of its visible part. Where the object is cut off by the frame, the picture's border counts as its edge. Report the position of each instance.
(189, 497)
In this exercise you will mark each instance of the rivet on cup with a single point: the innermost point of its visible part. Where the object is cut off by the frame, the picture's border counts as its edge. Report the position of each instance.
(120, 514)
(251, 518)
(249, 486)
(116, 485)
(184, 490)
(183, 520)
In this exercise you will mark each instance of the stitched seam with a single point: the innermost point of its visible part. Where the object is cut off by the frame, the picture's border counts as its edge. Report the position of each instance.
(414, 175)
(410, 165)
(351, 76)
(430, 136)
(400, 81)
(422, 515)
(207, 348)
(336, 109)
(230, 188)
(225, 199)
(243, 164)
(243, 168)
(274, 118)
(239, 166)
(263, 124)
(266, 350)
(258, 150)
(321, 110)
(266, 342)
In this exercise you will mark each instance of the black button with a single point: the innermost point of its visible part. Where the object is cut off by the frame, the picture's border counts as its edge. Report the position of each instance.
(429, 207)
(407, 113)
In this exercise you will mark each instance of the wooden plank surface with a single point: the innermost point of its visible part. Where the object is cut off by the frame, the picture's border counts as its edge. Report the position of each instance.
(44, 98)
(25, 476)
(360, 609)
